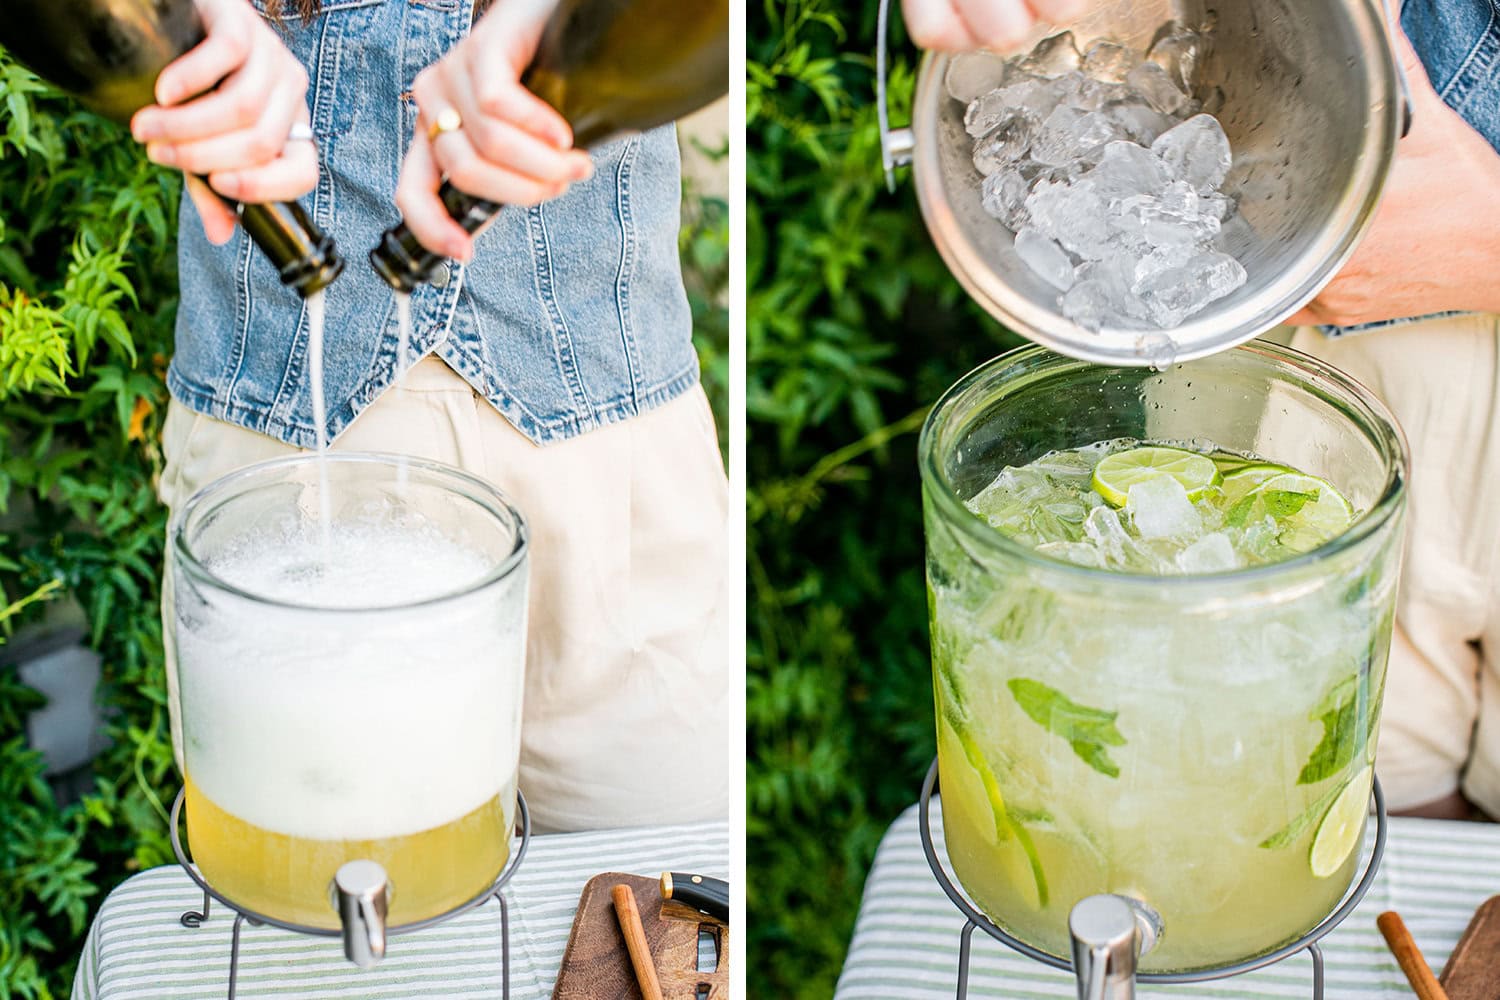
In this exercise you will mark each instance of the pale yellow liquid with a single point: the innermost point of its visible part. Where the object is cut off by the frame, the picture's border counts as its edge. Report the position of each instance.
(288, 877)
(1222, 900)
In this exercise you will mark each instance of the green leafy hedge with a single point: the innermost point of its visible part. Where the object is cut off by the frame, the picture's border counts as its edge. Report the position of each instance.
(854, 329)
(88, 292)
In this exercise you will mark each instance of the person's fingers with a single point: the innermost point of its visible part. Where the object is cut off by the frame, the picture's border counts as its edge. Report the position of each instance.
(935, 24)
(286, 178)
(1058, 11)
(250, 147)
(265, 85)
(422, 210)
(472, 174)
(502, 142)
(218, 218)
(199, 69)
(997, 24)
(497, 96)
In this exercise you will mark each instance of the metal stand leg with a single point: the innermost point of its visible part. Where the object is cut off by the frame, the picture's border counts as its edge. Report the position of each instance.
(194, 918)
(965, 943)
(234, 953)
(1317, 960)
(504, 946)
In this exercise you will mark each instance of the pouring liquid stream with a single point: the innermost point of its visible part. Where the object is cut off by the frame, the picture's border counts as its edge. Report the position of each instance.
(403, 347)
(315, 312)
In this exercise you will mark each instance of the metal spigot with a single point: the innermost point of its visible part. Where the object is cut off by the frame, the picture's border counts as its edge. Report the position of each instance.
(363, 892)
(1109, 933)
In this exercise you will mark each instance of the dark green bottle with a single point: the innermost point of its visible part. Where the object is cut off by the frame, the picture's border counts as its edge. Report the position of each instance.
(108, 53)
(610, 67)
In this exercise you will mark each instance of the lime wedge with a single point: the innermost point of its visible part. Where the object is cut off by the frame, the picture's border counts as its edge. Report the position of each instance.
(1339, 832)
(1114, 476)
(975, 784)
(1305, 523)
(1245, 478)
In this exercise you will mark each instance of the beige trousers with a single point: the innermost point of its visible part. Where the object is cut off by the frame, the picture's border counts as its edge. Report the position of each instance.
(626, 708)
(1441, 724)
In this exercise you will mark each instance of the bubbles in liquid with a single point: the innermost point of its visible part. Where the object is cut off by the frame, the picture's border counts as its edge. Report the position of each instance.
(403, 347)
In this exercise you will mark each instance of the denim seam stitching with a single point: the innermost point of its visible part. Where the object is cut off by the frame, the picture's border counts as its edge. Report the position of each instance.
(562, 341)
(1458, 88)
(242, 311)
(623, 175)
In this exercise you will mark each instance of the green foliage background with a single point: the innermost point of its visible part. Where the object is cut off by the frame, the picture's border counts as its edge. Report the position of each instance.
(88, 292)
(854, 328)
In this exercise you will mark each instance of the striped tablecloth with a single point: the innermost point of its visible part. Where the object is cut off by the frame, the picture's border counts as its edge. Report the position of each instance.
(1435, 874)
(137, 949)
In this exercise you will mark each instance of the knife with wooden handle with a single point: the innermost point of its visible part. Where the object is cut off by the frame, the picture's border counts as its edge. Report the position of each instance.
(706, 895)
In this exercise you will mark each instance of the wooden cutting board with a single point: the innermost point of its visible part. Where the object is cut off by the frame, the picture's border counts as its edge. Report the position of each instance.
(1473, 970)
(596, 965)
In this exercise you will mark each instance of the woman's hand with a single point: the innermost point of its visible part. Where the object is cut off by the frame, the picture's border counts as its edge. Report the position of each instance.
(1432, 247)
(1000, 25)
(235, 133)
(483, 131)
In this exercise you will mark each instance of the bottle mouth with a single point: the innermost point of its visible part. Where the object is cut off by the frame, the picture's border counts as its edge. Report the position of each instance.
(315, 270)
(393, 261)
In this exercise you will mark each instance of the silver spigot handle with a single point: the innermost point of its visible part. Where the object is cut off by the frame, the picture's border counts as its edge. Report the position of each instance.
(363, 893)
(895, 144)
(1109, 933)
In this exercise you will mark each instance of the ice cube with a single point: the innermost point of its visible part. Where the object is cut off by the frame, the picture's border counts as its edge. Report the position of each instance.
(1127, 169)
(1116, 273)
(1052, 56)
(1109, 61)
(1159, 508)
(1073, 215)
(1210, 554)
(1046, 258)
(1180, 51)
(1078, 553)
(1113, 542)
(1007, 144)
(1159, 259)
(1085, 93)
(1177, 293)
(1156, 87)
(985, 113)
(1140, 122)
(1196, 151)
(1003, 195)
(1069, 134)
(971, 74)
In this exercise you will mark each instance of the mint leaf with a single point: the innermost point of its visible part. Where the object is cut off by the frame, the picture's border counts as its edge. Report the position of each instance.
(1089, 731)
(1289, 833)
(1284, 503)
(1240, 512)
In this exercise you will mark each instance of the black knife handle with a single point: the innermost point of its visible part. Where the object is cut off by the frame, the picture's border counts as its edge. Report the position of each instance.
(702, 893)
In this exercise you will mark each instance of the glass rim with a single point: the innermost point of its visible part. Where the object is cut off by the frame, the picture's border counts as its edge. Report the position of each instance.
(1376, 419)
(487, 496)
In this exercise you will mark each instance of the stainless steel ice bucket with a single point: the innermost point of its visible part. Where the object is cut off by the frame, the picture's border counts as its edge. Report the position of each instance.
(1313, 105)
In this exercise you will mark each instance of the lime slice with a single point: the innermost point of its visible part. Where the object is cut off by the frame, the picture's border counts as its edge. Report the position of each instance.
(975, 783)
(1339, 832)
(1114, 476)
(1313, 521)
(1245, 478)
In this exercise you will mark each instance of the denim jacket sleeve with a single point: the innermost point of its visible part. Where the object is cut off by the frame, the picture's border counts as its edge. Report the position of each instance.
(1458, 42)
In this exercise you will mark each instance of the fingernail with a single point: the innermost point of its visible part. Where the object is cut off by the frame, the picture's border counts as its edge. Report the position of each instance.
(584, 170)
(158, 152)
(140, 128)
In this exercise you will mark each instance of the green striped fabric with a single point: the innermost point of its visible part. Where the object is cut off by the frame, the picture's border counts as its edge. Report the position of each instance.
(137, 949)
(1435, 874)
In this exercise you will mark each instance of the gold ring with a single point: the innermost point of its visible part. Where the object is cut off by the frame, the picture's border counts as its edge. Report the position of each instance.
(448, 120)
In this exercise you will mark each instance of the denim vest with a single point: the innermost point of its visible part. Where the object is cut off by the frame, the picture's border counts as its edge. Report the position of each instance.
(571, 315)
(1458, 42)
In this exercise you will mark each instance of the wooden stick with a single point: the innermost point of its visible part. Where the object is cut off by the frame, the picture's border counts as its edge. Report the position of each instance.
(1409, 957)
(635, 942)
